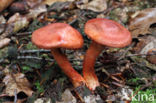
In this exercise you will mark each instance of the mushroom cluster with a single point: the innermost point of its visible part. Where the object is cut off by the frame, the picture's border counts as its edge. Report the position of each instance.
(102, 31)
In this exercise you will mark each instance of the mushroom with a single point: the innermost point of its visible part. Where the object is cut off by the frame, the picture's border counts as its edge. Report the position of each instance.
(103, 32)
(60, 35)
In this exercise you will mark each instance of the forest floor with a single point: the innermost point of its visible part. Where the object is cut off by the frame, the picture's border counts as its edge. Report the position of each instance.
(31, 75)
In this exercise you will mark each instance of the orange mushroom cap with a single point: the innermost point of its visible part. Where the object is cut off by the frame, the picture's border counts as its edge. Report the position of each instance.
(57, 35)
(108, 32)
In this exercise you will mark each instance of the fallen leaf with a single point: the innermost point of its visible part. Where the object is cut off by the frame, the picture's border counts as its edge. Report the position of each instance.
(34, 12)
(95, 5)
(4, 42)
(18, 6)
(93, 99)
(4, 4)
(33, 3)
(152, 58)
(2, 19)
(143, 63)
(17, 82)
(2, 24)
(141, 22)
(67, 97)
(145, 44)
(50, 2)
(149, 46)
(18, 22)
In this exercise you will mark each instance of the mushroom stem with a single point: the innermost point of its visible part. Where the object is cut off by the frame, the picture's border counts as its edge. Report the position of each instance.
(88, 65)
(76, 79)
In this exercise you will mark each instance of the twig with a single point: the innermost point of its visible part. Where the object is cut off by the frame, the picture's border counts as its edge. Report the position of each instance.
(118, 84)
(23, 34)
(15, 96)
(37, 58)
(131, 55)
(31, 57)
(116, 79)
(34, 51)
(104, 85)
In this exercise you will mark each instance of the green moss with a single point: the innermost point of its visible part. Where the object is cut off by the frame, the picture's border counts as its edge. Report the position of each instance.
(30, 46)
(39, 87)
(134, 80)
(26, 68)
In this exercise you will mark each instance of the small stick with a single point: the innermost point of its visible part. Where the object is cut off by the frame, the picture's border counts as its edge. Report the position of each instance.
(23, 34)
(31, 57)
(131, 55)
(37, 58)
(117, 84)
(104, 85)
(15, 96)
(116, 79)
(34, 51)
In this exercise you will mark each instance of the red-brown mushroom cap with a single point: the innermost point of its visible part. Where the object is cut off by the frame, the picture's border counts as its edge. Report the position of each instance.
(57, 35)
(108, 32)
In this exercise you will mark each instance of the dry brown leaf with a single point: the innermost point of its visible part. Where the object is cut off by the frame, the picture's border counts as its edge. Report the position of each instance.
(34, 12)
(67, 97)
(50, 2)
(4, 4)
(33, 3)
(145, 44)
(18, 22)
(141, 22)
(2, 19)
(4, 42)
(152, 58)
(17, 82)
(95, 5)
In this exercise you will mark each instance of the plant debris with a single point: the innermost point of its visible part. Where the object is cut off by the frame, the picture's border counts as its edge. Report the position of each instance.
(16, 82)
(141, 21)
(31, 75)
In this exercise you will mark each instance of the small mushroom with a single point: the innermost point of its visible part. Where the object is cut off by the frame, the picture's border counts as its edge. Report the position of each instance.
(103, 32)
(60, 35)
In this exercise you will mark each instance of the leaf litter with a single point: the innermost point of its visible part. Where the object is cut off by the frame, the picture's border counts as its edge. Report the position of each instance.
(16, 82)
(17, 25)
(141, 21)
